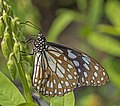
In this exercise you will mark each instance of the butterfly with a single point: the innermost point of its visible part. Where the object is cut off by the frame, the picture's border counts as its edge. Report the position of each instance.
(59, 69)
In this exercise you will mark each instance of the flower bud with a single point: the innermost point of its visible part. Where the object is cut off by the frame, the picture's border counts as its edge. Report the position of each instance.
(6, 19)
(2, 27)
(6, 44)
(14, 25)
(5, 49)
(16, 50)
(11, 67)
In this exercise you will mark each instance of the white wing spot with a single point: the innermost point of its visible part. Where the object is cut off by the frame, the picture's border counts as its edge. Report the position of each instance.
(82, 79)
(48, 84)
(104, 73)
(55, 53)
(51, 85)
(71, 55)
(70, 66)
(75, 77)
(84, 55)
(35, 80)
(85, 60)
(96, 67)
(95, 74)
(78, 84)
(86, 66)
(59, 61)
(66, 78)
(43, 81)
(62, 82)
(75, 73)
(61, 68)
(47, 92)
(85, 74)
(35, 85)
(68, 89)
(54, 81)
(64, 90)
(39, 81)
(79, 70)
(66, 83)
(102, 78)
(73, 83)
(59, 93)
(55, 91)
(76, 63)
(68, 69)
(59, 73)
(59, 85)
(51, 48)
(37, 73)
(98, 81)
(65, 58)
(51, 93)
(52, 63)
(38, 87)
(93, 77)
(91, 81)
(69, 76)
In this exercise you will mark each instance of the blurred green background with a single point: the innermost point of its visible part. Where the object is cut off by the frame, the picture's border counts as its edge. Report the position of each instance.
(92, 26)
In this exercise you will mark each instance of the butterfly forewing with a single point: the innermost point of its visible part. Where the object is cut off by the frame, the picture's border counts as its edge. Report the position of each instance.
(59, 69)
(90, 72)
(57, 74)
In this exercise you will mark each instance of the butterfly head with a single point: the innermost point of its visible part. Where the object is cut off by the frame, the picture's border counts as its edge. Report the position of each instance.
(40, 44)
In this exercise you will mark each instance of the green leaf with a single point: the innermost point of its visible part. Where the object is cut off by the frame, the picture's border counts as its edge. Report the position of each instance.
(108, 29)
(28, 104)
(59, 24)
(9, 94)
(94, 12)
(113, 12)
(105, 43)
(65, 100)
(82, 4)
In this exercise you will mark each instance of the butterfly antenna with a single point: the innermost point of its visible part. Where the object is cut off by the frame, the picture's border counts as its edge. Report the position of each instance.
(31, 25)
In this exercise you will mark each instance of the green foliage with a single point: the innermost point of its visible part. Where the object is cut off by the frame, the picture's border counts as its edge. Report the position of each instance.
(27, 12)
(99, 34)
(63, 101)
(28, 104)
(113, 12)
(9, 94)
(60, 23)
(104, 43)
(11, 50)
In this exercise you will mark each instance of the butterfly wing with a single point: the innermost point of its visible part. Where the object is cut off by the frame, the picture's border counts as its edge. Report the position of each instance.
(54, 74)
(89, 71)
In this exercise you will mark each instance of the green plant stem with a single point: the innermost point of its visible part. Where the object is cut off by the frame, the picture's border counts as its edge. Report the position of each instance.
(23, 80)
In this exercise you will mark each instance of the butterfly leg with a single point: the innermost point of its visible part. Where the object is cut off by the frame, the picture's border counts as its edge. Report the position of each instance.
(30, 40)
(26, 53)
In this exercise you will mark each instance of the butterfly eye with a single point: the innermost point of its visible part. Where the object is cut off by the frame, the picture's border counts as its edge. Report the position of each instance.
(59, 70)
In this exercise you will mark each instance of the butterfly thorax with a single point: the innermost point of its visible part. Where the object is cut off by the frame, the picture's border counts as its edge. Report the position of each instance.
(40, 44)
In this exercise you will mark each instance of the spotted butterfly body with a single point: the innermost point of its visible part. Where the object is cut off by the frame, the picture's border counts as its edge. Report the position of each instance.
(59, 69)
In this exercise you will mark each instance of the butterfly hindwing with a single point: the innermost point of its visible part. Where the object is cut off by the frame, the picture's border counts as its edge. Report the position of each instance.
(90, 72)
